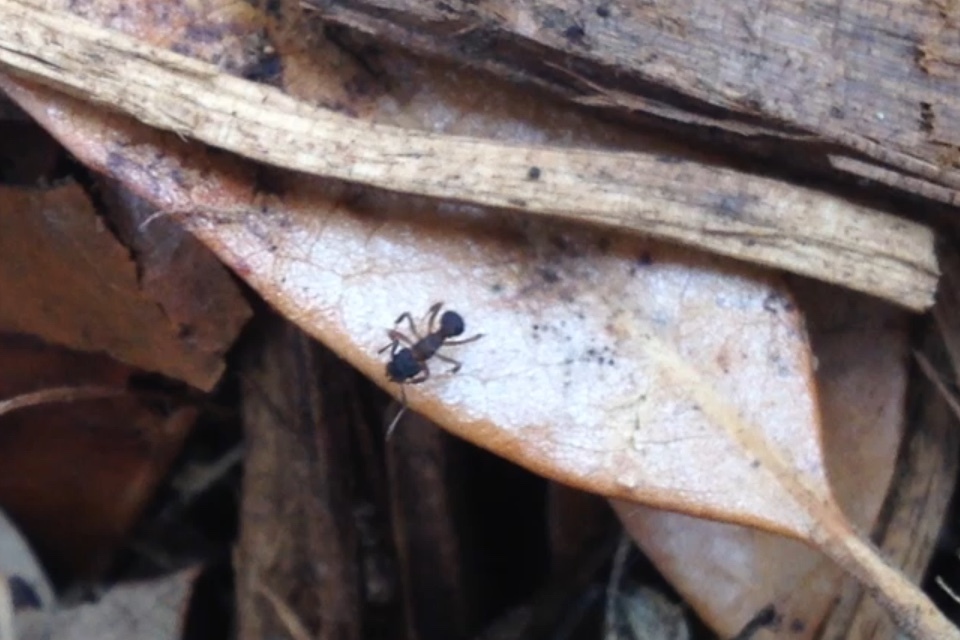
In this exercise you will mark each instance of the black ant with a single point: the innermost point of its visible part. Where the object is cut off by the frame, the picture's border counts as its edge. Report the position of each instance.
(409, 364)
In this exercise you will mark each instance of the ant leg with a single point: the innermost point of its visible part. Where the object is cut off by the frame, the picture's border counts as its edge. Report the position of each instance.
(432, 317)
(413, 328)
(403, 397)
(464, 341)
(393, 344)
(403, 410)
(390, 344)
(456, 363)
(423, 376)
(396, 338)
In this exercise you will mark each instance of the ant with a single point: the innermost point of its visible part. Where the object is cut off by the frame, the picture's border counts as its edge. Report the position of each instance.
(409, 364)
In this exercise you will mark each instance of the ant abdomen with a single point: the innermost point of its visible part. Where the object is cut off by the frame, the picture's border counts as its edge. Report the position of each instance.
(451, 324)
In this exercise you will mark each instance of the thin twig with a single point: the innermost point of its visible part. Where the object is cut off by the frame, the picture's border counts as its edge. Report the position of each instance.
(60, 394)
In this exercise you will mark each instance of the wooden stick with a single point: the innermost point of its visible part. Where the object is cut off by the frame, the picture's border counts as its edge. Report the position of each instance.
(716, 209)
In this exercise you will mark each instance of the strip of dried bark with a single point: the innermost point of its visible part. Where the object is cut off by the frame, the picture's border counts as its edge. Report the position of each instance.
(297, 506)
(715, 209)
(873, 80)
(438, 566)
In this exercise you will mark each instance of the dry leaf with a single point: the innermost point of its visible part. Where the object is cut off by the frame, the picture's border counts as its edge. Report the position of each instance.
(619, 365)
(66, 279)
(642, 613)
(729, 573)
(77, 474)
(149, 610)
(23, 583)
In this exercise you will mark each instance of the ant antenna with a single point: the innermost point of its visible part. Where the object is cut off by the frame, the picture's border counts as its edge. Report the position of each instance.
(396, 418)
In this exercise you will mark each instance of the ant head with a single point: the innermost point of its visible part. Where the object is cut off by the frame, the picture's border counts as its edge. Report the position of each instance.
(403, 366)
(451, 324)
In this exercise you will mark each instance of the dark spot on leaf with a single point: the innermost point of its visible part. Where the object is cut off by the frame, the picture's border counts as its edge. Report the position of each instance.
(560, 243)
(775, 302)
(574, 33)
(766, 617)
(926, 117)
(274, 8)
(603, 11)
(549, 275)
(533, 173)
(268, 69)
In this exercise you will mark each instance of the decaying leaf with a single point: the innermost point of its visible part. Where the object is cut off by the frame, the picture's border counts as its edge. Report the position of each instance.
(66, 279)
(627, 367)
(149, 610)
(730, 574)
(90, 462)
(26, 597)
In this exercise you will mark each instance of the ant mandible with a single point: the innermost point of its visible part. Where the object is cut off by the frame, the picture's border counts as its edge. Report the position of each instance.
(409, 364)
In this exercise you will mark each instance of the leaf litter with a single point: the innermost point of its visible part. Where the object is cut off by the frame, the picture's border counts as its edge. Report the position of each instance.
(616, 364)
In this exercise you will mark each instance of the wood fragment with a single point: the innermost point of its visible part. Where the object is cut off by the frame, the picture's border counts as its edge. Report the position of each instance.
(442, 577)
(946, 312)
(298, 503)
(834, 73)
(715, 209)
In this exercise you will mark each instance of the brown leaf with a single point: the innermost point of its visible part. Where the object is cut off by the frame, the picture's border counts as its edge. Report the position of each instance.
(67, 279)
(76, 471)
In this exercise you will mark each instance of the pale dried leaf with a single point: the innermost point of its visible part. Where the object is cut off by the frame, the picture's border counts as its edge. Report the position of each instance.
(150, 610)
(730, 573)
(18, 562)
